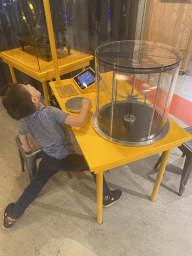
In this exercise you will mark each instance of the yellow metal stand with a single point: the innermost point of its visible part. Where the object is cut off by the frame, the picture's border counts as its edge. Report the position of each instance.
(46, 94)
(37, 66)
(27, 63)
(160, 174)
(51, 39)
(12, 74)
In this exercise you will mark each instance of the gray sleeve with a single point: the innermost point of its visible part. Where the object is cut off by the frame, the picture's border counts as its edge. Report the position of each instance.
(58, 115)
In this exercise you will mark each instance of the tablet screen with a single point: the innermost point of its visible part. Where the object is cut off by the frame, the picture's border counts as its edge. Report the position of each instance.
(85, 79)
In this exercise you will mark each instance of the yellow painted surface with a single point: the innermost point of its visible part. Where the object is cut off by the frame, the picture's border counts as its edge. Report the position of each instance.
(102, 154)
(38, 68)
(27, 62)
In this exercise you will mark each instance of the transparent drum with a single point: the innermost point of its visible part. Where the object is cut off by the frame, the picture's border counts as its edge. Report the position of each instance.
(135, 83)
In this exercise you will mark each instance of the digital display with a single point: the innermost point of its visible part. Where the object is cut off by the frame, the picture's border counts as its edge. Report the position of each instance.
(85, 79)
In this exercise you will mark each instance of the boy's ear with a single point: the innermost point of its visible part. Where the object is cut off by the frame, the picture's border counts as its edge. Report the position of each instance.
(35, 100)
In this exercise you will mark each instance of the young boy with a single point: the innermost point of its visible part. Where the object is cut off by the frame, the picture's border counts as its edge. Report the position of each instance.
(47, 127)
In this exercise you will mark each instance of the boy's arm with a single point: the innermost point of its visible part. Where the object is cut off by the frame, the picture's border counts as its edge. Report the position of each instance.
(26, 145)
(81, 118)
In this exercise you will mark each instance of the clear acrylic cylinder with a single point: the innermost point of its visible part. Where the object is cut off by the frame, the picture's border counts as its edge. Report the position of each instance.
(135, 83)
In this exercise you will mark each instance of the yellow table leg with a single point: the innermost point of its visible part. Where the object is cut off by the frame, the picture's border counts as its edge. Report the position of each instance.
(46, 94)
(160, 174)
(99, 179)
(12, 74)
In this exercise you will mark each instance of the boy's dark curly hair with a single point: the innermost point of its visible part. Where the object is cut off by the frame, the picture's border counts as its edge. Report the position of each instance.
(17, 101)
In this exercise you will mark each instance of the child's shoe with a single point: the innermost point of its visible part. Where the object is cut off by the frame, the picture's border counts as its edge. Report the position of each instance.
(112, 198)
(7, 221)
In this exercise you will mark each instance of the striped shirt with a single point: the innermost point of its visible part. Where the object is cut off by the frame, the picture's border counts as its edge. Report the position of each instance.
(46, 126)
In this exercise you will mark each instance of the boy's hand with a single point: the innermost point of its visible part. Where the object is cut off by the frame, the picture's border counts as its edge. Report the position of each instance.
(28, 148)
(79, 120)
(85, 103)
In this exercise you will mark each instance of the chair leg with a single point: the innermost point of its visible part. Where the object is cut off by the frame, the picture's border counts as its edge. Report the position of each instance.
(69, 174)
(31, 167)
(22, 162)
(158, 162)
(186, 173)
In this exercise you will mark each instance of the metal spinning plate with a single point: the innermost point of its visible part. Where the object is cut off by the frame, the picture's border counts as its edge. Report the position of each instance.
(74, 104)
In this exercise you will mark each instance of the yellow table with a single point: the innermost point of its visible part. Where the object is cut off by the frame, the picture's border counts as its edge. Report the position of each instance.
(38, 68)
(102, 155)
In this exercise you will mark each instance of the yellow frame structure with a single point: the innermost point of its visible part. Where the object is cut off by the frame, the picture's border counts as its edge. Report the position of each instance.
(102, 155)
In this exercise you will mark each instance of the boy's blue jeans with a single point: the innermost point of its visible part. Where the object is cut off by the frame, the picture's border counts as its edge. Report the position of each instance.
(49, 166)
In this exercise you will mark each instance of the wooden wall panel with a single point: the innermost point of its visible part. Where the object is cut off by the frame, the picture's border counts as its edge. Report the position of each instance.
(170, 23)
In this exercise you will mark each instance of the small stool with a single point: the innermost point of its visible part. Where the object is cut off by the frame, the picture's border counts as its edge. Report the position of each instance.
(186, 148)
(30, 159)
